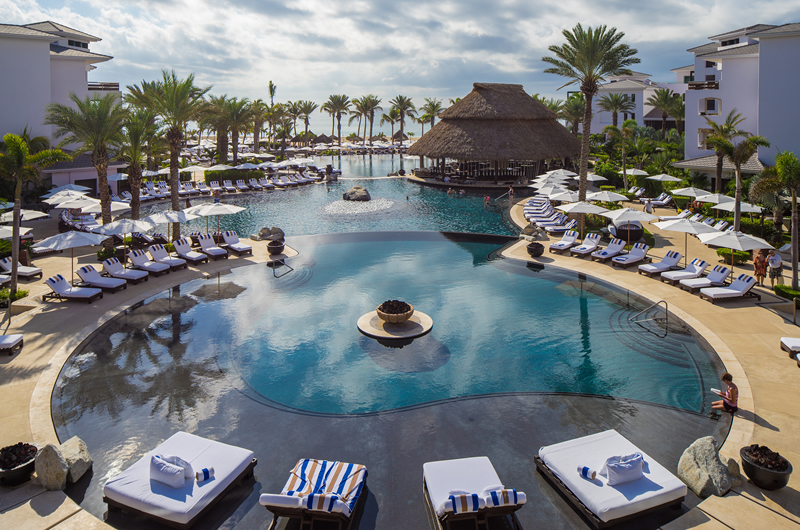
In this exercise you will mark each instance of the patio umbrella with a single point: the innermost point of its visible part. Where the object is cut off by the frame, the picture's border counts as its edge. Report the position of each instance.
(122, 227)
(67, 187)
(593, 177)
(70, 240)
(116, 207)
(6, 231)
(734, 241)
(687, 227)
(561, 173)
(628, 214)
(213, 208)
(80, 202)
(606, 196)
(744, 207)
(581, 207)
(148, 173)
(169, 217)
(247, 165)
(63, 196)
(714, 198)
(24, 215)
(689, 192)
(219, 167)
(634, 171)
(663, 177)
(117, 177)
(547, 190)
(165, 171)
(564, 196)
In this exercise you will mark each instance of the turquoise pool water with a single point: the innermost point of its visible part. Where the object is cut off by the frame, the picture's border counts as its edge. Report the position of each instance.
(289, 339)
(319, 209)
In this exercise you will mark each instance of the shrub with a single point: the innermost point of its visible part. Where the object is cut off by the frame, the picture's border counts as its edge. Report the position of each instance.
(605, 169)
(233, 175)
(739, 256)
(608, 188)
(169, 247)
(105, 253)
(785, 291)
(5, 294)
(681, 202)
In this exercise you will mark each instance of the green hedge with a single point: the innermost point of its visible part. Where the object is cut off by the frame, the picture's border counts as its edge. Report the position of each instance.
(608, 188)
(233, 175)
(681, 202)
(739, 256)
(787, 292)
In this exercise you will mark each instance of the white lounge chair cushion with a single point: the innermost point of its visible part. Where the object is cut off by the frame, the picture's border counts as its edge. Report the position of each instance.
(280, 501)
(790, 343)
(448, 477)
(133, 487)
(9, 341)
(722, 292)
(656, 487)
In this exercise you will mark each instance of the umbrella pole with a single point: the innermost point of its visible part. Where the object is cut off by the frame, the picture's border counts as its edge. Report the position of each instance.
(72, 263)
(685, 250)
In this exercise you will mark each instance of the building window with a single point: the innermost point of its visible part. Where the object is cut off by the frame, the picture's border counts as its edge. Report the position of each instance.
(711, 64)
(77, 44)
(688, 78)
(633, 98)
(711, 77)
(730, 42)
(702, 134)
(711, 105)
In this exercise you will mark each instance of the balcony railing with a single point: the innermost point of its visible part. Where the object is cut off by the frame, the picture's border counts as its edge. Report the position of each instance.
(704, 85)
(109, 87)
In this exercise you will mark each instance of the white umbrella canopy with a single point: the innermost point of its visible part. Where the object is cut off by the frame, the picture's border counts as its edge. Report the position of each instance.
(628, 214)
(564, 196)
(219, 167)
(67, 187)
(581, 207)
(689, 192)
(7, 231)
(247, 165)
(116, 207)
(213, 208)
(170, 216)
(634, 171)
(593, 177)
(687, 227)
(606, 196)
(552, 188)
(561, 173)
(81, 202)
(148, 173)
(63, 196)
(734, 241)
(71, 240)
(714, 198)
(663, 177)
(24, 215)
(123, 226)
(744, 207)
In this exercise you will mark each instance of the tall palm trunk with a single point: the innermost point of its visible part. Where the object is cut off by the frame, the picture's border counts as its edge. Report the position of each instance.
(624, 166)
(402, 123)
(256, 136)
(663, 125)
(333, 123)
(584, 167)
(614, 118)
(718, 185)
(15, 235)
(339, 127)
(174, 136)
(795, 221)
(100, 162)
(371, 122)
(305, 133)
(135, 178)
(737, 214)
(235, 144)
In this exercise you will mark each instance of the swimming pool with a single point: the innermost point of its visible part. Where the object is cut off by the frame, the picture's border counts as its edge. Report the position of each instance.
(319, 209)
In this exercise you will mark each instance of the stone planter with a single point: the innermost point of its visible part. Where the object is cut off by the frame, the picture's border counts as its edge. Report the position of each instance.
(17, 475)
(395, 318)
(766, 479)
(535, 249)
(275, 247)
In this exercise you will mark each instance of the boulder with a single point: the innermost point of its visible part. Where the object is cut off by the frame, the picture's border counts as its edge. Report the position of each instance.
(702, 470)
(77, 457)
(356, 193)
(269, 234)
(51, 468)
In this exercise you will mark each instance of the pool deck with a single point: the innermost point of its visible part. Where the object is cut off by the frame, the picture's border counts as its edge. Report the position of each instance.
(744, 334)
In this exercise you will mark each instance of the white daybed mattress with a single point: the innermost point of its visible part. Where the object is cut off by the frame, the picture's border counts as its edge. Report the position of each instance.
(471, 475)
(657, 486)
(134, 488)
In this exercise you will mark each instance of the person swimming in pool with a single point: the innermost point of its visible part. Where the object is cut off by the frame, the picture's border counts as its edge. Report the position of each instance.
(730, 398)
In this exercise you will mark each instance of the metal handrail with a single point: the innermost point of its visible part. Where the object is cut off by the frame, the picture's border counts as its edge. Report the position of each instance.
(648, 308)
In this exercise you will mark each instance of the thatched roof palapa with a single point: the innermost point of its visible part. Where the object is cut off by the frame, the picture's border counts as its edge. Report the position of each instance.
(497, 122)
(322, 139)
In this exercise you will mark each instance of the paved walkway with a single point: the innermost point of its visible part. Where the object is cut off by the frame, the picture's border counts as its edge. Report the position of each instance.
(745, 335)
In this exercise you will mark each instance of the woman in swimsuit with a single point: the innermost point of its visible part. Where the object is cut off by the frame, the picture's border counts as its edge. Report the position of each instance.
(730, 398)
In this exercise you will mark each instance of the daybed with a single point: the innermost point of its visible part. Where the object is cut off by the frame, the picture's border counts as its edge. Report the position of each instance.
(135, 491)
(602, 504)
(9, 342)
(467, 489)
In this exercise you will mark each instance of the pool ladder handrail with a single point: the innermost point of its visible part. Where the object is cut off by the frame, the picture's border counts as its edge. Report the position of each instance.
(648, 308)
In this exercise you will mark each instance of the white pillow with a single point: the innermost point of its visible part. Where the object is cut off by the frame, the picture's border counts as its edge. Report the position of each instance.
(188, 472)
(166, 473)
(622, 469)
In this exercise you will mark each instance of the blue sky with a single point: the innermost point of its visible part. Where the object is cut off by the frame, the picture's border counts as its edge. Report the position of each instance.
(313, 48)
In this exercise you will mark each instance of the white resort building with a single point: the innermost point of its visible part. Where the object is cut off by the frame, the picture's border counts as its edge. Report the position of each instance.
(41, 64)
(752, 70)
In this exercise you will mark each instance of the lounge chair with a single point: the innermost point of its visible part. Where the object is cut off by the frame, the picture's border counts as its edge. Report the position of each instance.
(9, 342)
(160, 255)
(722, 225)
(228, 186)
(709, 221)
(180, 507)
(190, 188)
(562, 228)
(698, 217)
(183, 247)
(117, 198)
(114, 268)
(208, 247)
(241, 186)
(615, 247)
(182, 191)
(140, 261)
(667, 263)
(654, 199)
(202, 188)
(715, 278)
(589, 245)
(467, 489)
(164, 189)
(4, 279)
(601, 504)
(277, 183)
(153, 191)
(560, 219)
(267, 185)
(694, 270)
(232, 241)
(62, 290)
(216, 187)
(89, 275)
(790, 345)
(24, 272)
(662, 202)
(253, 184)
(568, 240)
(741, 287)
(637, 254)
(319, 490)
(683, 215)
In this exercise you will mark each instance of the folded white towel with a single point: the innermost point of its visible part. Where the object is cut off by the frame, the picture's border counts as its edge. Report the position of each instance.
(188, 472)
(166, 472)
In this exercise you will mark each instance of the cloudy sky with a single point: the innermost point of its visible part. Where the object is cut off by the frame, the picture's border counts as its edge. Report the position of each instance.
(313, 48)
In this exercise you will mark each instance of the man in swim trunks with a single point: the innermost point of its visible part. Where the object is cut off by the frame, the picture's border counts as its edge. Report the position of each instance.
(730, 398)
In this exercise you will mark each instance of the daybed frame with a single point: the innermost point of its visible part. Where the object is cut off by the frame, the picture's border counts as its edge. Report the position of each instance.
(480, 517)
(587, 514)
(308, 517)
(748, 294)
(89, 300)
(244, 475)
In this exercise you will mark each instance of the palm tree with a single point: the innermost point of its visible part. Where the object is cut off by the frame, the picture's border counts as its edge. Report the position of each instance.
(338, 105)
(391, 118)
(372, 104)
(616, 103)
(678, 111)
(726, 131)
(306, 109)
(293, 109)
(259, 108)
(588, 57)
(432, 108)
(95, 123)
(18, 165)
(138, 129)
(624, 134)
(785, 175)
(176, 102)
(271, 88)
(405, 108)
(283, 131)
(572, 111)
(663, 100)
(238, 115)
(273, 115)
(738, 155)
(328, 107)
(356, 114)
(422, 120)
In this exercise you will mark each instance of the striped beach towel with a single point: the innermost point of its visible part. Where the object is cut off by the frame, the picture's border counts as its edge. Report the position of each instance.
(502, 498)
(466, 503)
(307, 477)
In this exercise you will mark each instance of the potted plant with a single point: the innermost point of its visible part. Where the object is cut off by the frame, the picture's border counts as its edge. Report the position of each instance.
(766, 469)
(16, 463)
(535, 249)
(395, 311)
(275, 247)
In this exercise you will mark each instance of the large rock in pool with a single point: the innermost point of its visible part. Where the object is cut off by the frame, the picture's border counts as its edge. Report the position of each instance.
(77, 457)
(702, 470)
(356, 193)
(51, 468)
